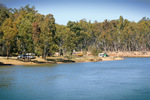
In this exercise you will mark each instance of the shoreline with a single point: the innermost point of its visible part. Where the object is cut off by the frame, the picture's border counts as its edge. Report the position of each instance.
(38, 61)
(120, 55)
(62, 60)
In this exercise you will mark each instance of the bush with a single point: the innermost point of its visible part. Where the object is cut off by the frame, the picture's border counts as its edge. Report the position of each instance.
(14, 54)
(68, 57)
(95, 51)
(84, 52)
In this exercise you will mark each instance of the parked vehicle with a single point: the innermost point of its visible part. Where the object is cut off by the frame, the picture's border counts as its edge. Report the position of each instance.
(31, 55)
(80, 55)
(27, 56)
(22, 56)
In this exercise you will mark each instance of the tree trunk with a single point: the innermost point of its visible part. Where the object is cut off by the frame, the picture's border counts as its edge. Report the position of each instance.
(44, 56)
(44, 53)
(24, 56)
(7, 54)
(71, 52)
(28, 56)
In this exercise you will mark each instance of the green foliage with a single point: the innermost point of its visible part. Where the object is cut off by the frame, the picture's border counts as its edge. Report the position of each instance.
(69, 57)
(26, 30)
(95, 51)
(48, 36)
(9, 32)
(4, 13)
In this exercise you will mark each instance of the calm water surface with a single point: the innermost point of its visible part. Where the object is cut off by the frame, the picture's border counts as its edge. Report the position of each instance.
(111, 80)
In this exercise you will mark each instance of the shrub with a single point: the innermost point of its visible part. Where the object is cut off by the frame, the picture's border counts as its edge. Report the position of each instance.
(95, 51)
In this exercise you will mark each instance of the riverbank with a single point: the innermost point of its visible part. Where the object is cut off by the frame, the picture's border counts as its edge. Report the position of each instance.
(60, 60)
(54, 60)
(129, 53)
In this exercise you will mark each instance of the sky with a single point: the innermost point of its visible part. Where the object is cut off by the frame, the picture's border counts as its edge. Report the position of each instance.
(94, 10)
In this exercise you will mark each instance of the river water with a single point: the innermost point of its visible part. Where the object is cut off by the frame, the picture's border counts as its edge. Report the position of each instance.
(127, 79)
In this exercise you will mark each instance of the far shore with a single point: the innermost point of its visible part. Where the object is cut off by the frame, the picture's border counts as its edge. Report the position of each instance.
(113, 56)
(53, 60)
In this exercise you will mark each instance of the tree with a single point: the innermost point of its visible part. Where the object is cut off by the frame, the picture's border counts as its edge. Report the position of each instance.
(24, 25)
(24, 30)
(4, 13)
(48, 36)
(9, 30)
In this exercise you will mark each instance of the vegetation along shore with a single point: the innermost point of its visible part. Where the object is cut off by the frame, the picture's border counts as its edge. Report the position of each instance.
(25, 31)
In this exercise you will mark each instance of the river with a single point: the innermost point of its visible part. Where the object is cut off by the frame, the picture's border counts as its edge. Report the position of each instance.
(127, 79)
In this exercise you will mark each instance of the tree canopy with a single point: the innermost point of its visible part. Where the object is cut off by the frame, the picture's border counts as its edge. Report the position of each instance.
(25, 30)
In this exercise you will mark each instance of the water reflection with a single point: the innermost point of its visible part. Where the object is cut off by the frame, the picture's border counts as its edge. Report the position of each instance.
(6, 82)
(6, 78)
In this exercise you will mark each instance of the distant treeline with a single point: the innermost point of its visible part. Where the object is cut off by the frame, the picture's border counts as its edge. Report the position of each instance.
(25, 30)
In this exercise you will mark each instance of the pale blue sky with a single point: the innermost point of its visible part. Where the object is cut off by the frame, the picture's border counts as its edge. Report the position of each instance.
(75, 10)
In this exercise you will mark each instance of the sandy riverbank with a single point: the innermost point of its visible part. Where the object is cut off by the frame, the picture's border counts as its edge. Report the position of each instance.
(54, 60)
(59, 60)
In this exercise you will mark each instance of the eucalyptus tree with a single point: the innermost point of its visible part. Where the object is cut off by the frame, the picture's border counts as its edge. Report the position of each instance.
(47, 37)
(24, 37)
(9, 30)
